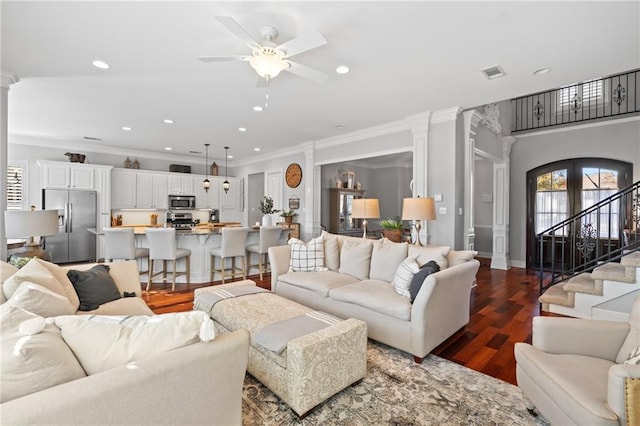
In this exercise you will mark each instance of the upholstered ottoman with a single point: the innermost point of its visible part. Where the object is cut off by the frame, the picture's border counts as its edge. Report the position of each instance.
(312, 367)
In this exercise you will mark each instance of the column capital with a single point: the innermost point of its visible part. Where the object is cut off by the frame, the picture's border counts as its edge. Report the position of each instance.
(444, 115)
(8, 78)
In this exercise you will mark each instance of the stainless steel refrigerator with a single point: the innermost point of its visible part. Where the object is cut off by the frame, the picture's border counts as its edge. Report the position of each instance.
(76, 215)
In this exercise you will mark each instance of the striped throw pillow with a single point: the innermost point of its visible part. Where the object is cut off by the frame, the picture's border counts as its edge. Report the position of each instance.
(404, 274)
(307, 257)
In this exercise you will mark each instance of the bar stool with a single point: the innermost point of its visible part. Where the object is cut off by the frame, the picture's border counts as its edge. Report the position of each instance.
(120, 245)
(163, 246)
(269, 236)
(232, 245)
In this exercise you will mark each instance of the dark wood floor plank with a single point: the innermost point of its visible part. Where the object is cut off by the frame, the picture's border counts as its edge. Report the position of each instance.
(502, 306)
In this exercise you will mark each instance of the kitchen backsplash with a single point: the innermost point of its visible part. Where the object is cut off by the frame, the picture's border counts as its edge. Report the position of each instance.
(143, 217)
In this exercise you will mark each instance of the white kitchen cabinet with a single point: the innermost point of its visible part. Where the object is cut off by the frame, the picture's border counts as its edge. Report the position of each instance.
(229, 203)
(210, 199)
(151, 191)
(181, 185)
(123, 189)
(59, 175)
(103, 188)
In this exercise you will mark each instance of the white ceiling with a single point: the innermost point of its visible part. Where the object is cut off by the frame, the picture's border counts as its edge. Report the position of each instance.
(405, 58)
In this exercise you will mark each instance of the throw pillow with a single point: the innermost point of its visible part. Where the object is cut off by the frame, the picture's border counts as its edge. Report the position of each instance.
(427, 253)
(94, 287)
(416, 282)
(6, 271)
(385, 258)
(456, 257)
(307, 257)
(46, 274)
(41, 301)
(31, 363)
(355, 258)
(102, 342)
(404, 273)
(634, 357)
(331, 251)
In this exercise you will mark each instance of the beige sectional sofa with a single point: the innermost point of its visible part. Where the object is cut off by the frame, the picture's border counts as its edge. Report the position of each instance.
(357, 283)
(45, 381)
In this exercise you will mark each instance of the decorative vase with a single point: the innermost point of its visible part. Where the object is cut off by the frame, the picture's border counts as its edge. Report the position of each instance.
(288, 220)
(394, 235)
(266, 220)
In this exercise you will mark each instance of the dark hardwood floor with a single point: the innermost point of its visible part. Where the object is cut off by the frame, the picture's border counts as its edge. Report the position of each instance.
(502, 306)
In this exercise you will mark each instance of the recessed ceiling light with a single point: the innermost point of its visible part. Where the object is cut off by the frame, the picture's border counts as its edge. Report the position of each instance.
(101, 64)
(168, 121)
(126, 128)
(541, 71)
(257, 108)
(242, 129)
(256, 149)
(167, 148)
(342, 69)
(229, 156)
(339, 126)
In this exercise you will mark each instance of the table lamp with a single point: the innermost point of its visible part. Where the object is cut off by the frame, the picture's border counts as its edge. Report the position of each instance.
(29, 224)
(418, 209)
(365, 208)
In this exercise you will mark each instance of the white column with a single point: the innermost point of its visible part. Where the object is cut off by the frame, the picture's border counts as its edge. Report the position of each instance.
(7, 80)
(471, 121)
(501, 170)
(313, 192)
(419, 124)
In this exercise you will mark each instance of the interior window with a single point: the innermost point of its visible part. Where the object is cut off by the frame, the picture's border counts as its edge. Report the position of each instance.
(15, 180)
(551, 199)
(598, 184)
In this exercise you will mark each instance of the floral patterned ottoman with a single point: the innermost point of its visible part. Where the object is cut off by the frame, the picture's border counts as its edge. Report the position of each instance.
(313, 367)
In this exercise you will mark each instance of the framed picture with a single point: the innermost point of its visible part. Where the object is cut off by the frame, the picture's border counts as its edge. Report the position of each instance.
(294, 203)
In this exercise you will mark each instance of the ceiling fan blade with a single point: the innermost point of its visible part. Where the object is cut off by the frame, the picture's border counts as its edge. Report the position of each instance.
(306, 72)
(238, 31)
(223, 58)
(302, 43)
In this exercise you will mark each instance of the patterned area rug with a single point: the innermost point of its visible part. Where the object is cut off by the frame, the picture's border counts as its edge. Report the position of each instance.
(397, 391)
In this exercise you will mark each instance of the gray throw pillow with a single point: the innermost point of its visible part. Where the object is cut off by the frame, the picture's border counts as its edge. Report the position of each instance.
(94, 287)
(417, 280)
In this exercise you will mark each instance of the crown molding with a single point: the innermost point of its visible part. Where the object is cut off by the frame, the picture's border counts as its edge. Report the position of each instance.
(7, 79)
(368, 133)
(444, 115)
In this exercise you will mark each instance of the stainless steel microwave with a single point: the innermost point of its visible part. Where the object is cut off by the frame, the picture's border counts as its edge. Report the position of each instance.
(182, 202)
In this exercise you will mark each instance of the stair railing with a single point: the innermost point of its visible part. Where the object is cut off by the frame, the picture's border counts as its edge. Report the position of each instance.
(580, 243)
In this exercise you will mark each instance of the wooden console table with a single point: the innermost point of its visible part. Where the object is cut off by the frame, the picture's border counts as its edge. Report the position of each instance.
(293, 227)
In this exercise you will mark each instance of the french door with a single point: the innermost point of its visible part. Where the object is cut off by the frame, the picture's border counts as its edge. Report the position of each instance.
(559, 190)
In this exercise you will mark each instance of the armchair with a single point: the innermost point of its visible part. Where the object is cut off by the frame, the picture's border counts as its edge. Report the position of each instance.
(574, 372)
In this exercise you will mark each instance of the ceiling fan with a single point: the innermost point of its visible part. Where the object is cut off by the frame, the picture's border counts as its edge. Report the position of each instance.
(267, 59)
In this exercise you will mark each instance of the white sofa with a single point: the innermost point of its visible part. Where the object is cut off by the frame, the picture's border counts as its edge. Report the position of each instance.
(197, 384)
(358, 285)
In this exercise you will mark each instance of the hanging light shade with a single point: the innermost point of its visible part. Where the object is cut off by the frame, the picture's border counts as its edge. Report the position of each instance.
(268, 63)
(205, 183)
(225, 184)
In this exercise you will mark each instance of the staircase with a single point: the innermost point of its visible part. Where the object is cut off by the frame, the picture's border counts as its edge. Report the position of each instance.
(599, 274)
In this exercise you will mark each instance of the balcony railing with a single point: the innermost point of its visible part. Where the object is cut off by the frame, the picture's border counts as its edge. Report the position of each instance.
(611, 96)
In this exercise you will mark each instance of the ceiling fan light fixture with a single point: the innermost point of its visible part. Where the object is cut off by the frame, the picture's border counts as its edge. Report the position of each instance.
(268, 63)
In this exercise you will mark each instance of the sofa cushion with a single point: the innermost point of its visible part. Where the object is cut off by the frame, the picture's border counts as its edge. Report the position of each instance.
(40, 300)
(431, 267)
(376, 295)
(404, 274)
(46, 274)
(31, 363)
(331, 251)
(633, 338)
(103, 342)
(306, 257)
(123, 306)
(456, 257)
(94, 287)
(318, 282)
(425, 254)
(385, 258)
(355, 258)
(6, 271)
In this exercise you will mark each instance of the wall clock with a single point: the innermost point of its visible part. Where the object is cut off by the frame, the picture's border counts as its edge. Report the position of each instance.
(293, 175)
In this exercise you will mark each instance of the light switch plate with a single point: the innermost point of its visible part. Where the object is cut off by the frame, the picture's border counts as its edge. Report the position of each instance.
(437, 197)
(442, 210)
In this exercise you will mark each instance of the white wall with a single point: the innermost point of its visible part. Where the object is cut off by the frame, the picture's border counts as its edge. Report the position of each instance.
(618, 140)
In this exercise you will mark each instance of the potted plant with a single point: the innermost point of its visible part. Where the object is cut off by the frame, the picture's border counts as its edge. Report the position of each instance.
(266, 207)
(288, 216)
(392, 229)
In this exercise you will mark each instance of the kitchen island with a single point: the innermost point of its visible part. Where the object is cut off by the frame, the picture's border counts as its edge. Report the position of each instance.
(200, 240)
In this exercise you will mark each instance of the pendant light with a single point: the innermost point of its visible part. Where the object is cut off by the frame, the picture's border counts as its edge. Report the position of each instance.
(205, 183)
(225, 184)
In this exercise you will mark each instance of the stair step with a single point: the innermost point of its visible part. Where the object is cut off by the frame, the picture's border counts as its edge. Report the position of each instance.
(557, 296)
(631, 260)
(614, 272)
(584, 283)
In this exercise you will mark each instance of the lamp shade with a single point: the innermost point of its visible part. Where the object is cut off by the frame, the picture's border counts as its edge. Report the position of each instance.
(418, 209)
(30, 223)
(365, 208)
